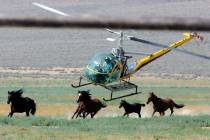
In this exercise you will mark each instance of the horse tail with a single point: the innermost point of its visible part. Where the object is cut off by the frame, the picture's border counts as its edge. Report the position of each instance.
(33, 108)
(178, 105)
(142, 104)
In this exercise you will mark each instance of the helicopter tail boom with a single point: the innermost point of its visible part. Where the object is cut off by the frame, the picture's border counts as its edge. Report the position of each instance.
(148, 59)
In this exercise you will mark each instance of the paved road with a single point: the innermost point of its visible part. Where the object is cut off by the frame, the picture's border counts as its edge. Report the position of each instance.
(32, 47)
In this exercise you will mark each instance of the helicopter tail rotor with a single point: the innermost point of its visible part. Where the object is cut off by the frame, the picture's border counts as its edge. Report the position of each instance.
(195, 35)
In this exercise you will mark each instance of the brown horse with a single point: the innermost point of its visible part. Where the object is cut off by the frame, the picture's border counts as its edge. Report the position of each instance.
(87, 105)
(161, 105)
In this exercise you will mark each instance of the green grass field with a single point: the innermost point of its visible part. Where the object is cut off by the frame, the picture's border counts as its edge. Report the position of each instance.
(56, 101)
(56, 128)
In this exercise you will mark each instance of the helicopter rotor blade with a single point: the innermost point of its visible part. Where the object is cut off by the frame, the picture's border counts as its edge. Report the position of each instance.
(194, 54)
(147, 42)
(137, 53)
(114, 32)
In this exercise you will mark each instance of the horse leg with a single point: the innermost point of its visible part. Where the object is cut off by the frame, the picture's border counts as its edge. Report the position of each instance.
(94, 113)
(73, 115)
(76, 112)
(77, 115)
(125, 114)
(82, 113)
(91, 115)
(85, 115)
(10, 114)
(172, 111)
(139, 114)
(153, 113)
(27, 113)
(162, 113)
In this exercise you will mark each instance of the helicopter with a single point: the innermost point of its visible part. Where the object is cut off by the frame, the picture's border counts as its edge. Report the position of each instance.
(105, 69)
(112, 71)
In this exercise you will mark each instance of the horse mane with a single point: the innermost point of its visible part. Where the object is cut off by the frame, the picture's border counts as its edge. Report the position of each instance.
(85, 94)
(20, 91)
(124, 102)
(84, 91)
(16, 93)
(153, 95)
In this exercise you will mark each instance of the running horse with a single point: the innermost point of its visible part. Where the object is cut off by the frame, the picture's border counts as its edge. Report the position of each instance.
(20, 104)
(131, 108)
(87, 105)
(161, 105)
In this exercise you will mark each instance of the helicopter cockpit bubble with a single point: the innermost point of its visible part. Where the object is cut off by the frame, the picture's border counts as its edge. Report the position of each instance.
(103, 68)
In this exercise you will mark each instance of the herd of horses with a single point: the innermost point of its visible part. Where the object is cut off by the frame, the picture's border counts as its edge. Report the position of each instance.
(90, 106)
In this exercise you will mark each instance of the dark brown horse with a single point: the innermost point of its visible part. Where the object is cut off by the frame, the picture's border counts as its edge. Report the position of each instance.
(161, 105)
(87, 105)
(131, 108)
(20, 104)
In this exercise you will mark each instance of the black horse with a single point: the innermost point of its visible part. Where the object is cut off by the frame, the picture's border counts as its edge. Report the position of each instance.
(131, 108)
(20, 104)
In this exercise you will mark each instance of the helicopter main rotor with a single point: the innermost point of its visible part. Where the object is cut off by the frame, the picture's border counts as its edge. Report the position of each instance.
(123, 36)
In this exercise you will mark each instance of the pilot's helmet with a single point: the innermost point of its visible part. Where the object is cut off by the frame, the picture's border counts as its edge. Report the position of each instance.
(115, 51)
(107, 59)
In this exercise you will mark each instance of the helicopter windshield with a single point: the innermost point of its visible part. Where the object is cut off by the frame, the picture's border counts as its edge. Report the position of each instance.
(103, 68)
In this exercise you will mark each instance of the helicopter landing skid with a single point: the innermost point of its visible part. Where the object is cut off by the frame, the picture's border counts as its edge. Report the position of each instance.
(125, 85)
(80, 85)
